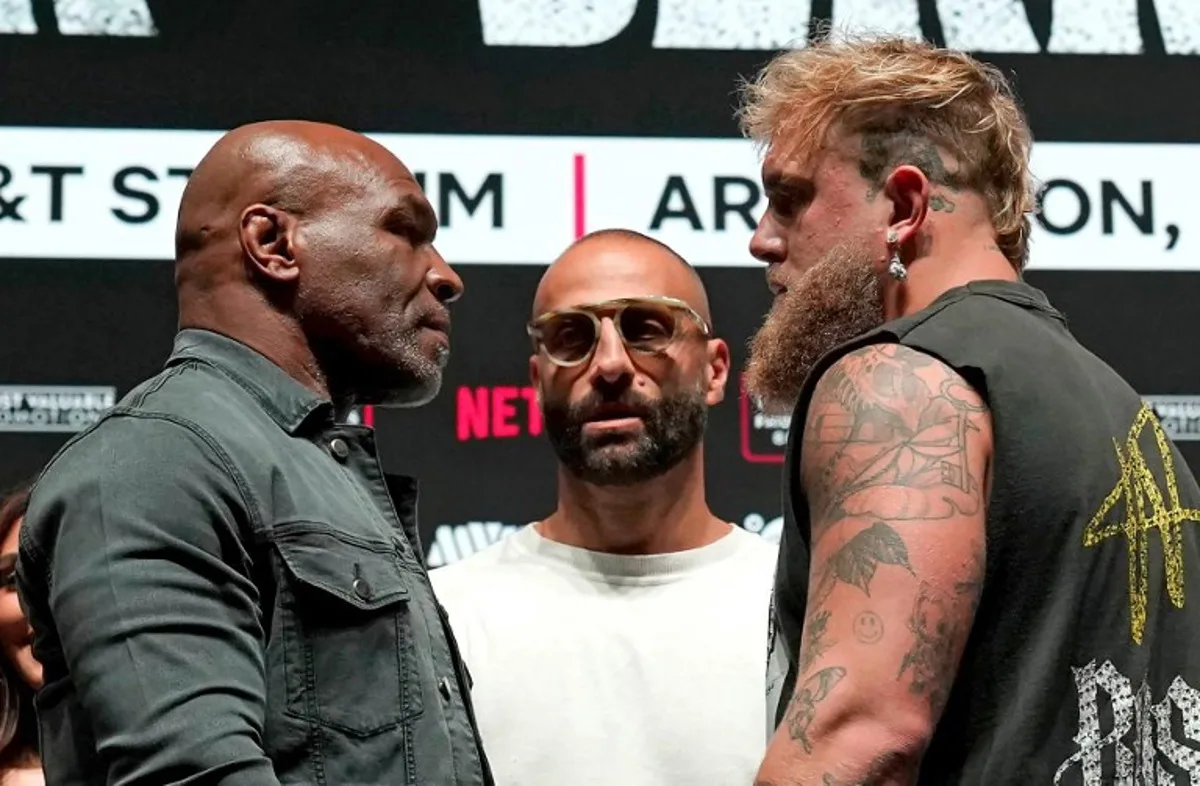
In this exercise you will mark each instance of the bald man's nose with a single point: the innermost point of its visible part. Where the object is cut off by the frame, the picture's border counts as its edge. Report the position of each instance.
(442, 281)
(611, 360)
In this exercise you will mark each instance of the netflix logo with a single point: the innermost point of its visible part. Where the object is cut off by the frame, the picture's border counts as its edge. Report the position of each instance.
(499, 412)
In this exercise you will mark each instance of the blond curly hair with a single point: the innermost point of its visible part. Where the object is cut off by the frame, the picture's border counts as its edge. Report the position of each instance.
(900, 94)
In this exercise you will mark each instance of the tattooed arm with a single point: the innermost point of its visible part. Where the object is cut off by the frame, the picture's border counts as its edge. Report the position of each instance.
(894, 464)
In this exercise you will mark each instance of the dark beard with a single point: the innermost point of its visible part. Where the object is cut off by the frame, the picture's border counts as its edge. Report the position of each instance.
(672, 428)
(834, 301)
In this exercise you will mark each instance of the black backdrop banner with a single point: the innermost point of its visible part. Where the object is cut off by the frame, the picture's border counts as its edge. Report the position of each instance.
(530, 122)
(1087, 70)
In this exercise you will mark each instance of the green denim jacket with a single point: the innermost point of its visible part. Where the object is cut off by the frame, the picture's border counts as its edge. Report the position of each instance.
(225, 588)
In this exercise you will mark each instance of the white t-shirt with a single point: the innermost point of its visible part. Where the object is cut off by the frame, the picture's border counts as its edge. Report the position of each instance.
(595, 669)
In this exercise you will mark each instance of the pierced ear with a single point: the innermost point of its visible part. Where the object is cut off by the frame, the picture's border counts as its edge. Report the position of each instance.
(266, 239)
(908, 189)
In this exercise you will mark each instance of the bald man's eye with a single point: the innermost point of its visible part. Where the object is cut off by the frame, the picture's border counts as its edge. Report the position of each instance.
(647, 325)
(405, 230)
(405, 226)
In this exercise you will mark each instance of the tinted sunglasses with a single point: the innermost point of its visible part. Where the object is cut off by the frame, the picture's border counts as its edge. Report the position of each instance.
(645, 324)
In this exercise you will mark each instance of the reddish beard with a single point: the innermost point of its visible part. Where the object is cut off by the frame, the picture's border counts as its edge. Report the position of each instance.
(834, 301)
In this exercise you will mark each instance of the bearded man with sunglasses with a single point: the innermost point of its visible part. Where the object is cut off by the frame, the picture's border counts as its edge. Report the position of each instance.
(622, 639)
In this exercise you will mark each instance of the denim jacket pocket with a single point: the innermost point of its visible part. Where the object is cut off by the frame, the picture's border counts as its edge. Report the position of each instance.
(348, 643)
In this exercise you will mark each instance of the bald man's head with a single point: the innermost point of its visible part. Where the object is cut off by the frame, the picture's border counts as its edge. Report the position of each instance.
(592, 261)
(626, 376)
(292, 165)
(325, 235)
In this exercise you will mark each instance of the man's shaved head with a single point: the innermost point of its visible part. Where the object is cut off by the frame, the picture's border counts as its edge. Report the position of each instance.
(327, 235)
(651, 360)
(598, 256)
(287, 164)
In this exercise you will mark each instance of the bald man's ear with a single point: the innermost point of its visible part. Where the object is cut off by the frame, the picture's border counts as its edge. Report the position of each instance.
(718, 371)
(535, 378)
(266, 238)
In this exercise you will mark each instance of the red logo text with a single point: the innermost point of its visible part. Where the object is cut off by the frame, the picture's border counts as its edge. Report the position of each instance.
(497, 413)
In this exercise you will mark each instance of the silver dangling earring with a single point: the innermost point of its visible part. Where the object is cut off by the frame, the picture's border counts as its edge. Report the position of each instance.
(895, 267)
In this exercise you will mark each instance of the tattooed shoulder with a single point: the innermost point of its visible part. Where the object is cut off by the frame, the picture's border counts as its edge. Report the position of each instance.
(888, 418)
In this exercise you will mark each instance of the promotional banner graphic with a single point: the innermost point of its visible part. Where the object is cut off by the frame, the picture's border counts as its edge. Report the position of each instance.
(64, 193)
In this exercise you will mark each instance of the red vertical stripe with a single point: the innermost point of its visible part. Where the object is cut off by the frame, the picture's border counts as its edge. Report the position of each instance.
(580, 197)
(368, 416)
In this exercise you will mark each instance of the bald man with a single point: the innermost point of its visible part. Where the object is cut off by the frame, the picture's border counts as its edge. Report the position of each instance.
(623, 639)
(224, 585)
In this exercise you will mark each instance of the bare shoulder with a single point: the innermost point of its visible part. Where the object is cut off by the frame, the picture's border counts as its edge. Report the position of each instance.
(890, 416)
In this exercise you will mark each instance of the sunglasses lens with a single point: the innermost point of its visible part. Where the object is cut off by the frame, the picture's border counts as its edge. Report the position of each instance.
(568, 338)
(648, 327)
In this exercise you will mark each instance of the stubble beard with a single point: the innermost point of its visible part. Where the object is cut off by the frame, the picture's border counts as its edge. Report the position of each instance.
(409, 375)
(422, 373)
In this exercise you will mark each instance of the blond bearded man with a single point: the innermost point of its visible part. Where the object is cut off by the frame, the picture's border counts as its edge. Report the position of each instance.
(967, 580)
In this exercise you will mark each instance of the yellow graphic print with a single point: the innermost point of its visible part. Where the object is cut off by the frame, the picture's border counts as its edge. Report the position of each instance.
(1145, 509)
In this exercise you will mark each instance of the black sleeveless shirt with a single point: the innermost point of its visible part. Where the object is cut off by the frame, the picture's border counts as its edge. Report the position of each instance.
(1083, 665)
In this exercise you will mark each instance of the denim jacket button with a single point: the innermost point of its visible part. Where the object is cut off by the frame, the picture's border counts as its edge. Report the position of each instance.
(362, 589)
(339, 448)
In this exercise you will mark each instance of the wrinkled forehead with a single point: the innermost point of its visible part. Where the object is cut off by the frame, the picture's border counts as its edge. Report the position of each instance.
(587, 277)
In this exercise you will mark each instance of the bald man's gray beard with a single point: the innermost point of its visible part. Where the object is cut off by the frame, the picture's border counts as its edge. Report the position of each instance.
(835, 300)
(672, 427)
(407, 377)
(426, 373)
(422, 375)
